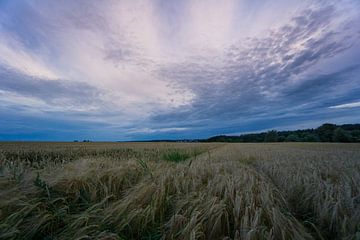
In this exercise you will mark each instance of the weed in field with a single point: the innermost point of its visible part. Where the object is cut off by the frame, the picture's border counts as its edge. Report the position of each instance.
(13, 170)
(176, 156)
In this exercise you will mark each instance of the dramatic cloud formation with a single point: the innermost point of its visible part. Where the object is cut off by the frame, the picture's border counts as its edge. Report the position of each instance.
(127, 70)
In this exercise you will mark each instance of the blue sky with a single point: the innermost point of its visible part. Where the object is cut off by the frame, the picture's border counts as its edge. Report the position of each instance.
(167, 69)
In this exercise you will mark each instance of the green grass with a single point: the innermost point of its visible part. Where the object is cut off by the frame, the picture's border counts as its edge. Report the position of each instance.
(176, 156)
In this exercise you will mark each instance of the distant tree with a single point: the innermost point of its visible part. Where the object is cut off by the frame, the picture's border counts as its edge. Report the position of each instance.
(350, 127)
(311, 138)
(326, 132)
(355, 135)
(340, 135)
(292, 138)
(271, 136)
(281, 138)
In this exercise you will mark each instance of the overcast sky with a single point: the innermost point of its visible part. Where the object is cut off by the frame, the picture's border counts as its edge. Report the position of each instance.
(167, 69)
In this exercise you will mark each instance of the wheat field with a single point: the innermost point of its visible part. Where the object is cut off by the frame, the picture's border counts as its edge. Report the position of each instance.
(179, 191)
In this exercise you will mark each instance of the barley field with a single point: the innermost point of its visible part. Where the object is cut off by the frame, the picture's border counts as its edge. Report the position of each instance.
(179, 191)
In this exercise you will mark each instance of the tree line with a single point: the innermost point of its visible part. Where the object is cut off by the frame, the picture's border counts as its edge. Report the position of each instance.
(325, 133)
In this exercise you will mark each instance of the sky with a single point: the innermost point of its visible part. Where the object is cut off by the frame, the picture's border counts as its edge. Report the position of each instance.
(174, 69)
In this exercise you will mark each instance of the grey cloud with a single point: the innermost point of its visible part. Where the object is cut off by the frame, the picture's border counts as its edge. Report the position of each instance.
(256, 78)
(117, 55)
(315, 87)
(47, 90)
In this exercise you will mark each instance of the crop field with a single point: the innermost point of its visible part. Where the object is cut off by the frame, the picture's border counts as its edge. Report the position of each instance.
(179, 191)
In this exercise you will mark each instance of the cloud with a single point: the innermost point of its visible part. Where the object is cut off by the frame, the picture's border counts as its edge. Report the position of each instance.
(111, 48)
(159, 130)
(46, 89)
(263, 74)
(166, 68)
(14, 56)
(347, 105)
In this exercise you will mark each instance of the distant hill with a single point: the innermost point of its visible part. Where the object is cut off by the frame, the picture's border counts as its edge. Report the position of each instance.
(325, 133)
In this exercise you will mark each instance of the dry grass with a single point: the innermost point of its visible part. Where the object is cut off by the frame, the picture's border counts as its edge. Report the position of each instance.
(150, 191)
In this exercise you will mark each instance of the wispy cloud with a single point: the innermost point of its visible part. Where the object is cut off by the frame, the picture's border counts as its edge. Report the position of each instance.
(152, 130)
(14, 56)
(347, 105)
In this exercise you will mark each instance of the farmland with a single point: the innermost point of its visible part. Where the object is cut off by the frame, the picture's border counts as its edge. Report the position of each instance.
(179, 190)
